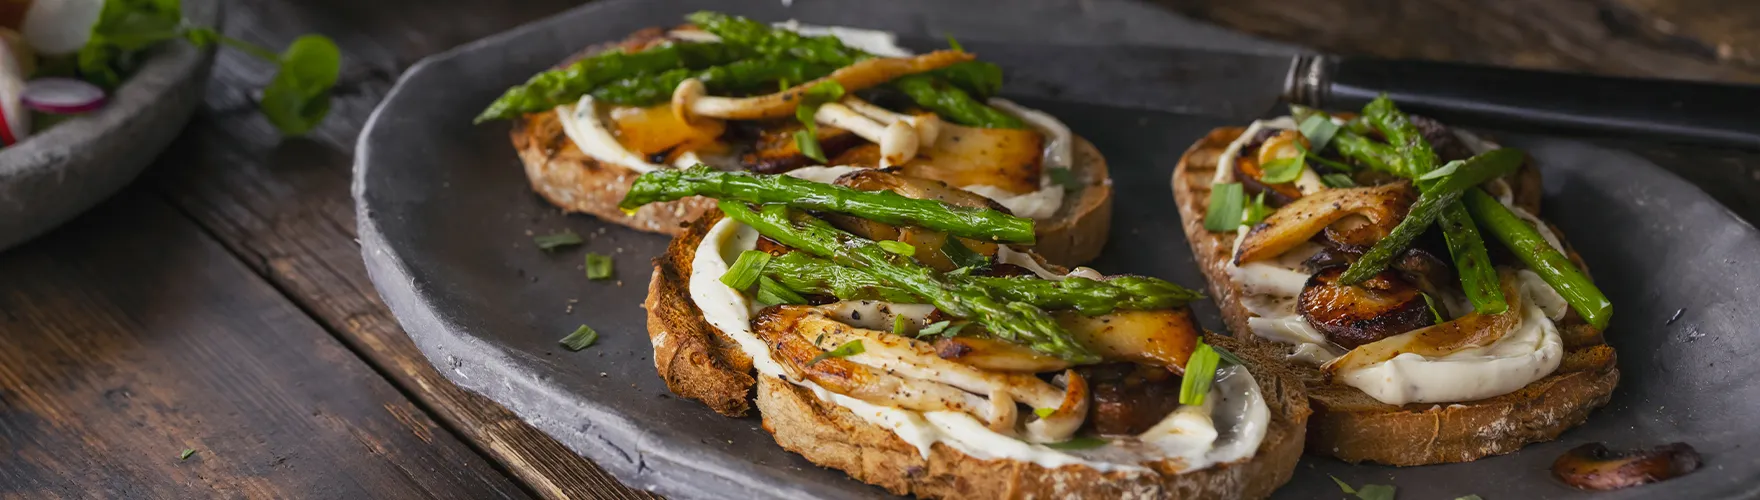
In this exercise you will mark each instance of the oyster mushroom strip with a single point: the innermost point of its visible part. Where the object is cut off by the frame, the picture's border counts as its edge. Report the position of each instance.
(1381, 206)
(1161, 338)
(911, 375)
(690, 99)
(1466, 332)
(898, 140)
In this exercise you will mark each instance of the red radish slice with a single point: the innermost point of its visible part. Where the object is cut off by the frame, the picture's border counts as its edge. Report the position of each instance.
(64, 96)
(17, 119)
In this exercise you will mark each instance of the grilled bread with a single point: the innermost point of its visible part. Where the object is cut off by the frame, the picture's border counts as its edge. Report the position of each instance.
(700, 362)
(1352, 426)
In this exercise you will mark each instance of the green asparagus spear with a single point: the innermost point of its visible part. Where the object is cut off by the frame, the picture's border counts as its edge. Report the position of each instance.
(881, 206)
(1479, 280)
(949, 101)
(931, 90)
(1374, 155)
(750, 74)
(813, 275)
(562, 86)
(1430, 205)
(1018, 322)
(1552, 266)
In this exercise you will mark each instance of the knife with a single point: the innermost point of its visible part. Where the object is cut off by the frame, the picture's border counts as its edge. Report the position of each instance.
(1246, 86)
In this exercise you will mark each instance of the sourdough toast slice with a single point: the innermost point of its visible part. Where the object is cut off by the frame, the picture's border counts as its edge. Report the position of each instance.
(700, 362)
(1354, 427)
(576, 182)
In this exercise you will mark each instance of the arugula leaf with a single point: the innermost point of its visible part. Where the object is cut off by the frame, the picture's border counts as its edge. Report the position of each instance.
(1282, 170)
(1337, 181)
(598, 266)
(299, 95)
(1080, 443)
(580, 339)
(852, 348)
(1225, 207)
(1257, 211)
(554, 241)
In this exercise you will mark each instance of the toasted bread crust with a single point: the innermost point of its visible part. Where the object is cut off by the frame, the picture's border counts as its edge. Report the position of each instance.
(1350, 425)
(699, 362)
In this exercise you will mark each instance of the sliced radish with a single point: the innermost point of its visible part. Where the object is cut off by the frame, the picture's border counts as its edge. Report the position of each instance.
(60, 27)
(65, 96)
(17, 119)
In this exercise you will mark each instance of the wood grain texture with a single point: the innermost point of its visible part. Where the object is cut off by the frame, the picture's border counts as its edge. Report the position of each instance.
(130, 336)
(1692, 39)
(283, 205)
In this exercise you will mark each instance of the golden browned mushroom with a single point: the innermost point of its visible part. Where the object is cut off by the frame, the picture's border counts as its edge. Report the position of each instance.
(1353, 315)
(1468, 331)
(1594, 467)
(1296, 222)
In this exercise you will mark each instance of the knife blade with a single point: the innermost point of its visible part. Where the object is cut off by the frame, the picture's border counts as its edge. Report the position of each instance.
(1245, 86)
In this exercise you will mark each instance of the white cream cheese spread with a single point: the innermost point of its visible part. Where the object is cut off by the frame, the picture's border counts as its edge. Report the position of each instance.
(1230, 430)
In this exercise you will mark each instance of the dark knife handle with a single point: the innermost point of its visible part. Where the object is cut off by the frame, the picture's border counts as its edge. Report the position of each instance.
(1705, 113)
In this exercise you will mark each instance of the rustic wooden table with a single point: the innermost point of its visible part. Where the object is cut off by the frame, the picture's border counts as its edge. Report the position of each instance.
(220, 305)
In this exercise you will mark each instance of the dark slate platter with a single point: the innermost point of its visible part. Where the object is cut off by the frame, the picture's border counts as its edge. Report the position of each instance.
(446, 219)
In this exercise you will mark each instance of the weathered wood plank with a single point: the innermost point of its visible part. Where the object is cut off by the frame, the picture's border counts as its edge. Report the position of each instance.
(284, 205)
(1697, 39)
(129, 336)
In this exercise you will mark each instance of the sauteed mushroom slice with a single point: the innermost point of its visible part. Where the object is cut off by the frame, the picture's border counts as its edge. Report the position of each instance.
(1350, 316)
(691, 99)
(1130, 398)
(1296, 223)
(1594, 467)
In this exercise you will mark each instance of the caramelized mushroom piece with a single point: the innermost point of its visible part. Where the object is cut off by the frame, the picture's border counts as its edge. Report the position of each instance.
(997, 355)
(1130, 398)
(1350, 316)
(1594, 467)
(775, 151)
(1296, 223)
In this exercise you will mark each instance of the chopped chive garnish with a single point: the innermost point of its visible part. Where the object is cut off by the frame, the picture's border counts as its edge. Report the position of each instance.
(962, 256)
(1282, 170)
(898, 247)
(852, 348)
(1434, 311)
(1257, 211)
(1225, 207)
(1044, 412)
(807, 139)
(1336, 180)
(580, 339)
(809, 145)
(1227, 356)
(772, 293)
(1200, 371)
(1319, 130)
(1065, 177)
(899, 324)
(186, 453)
(553, 241)
(934, 328)
(746, 270)
(598, 266)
